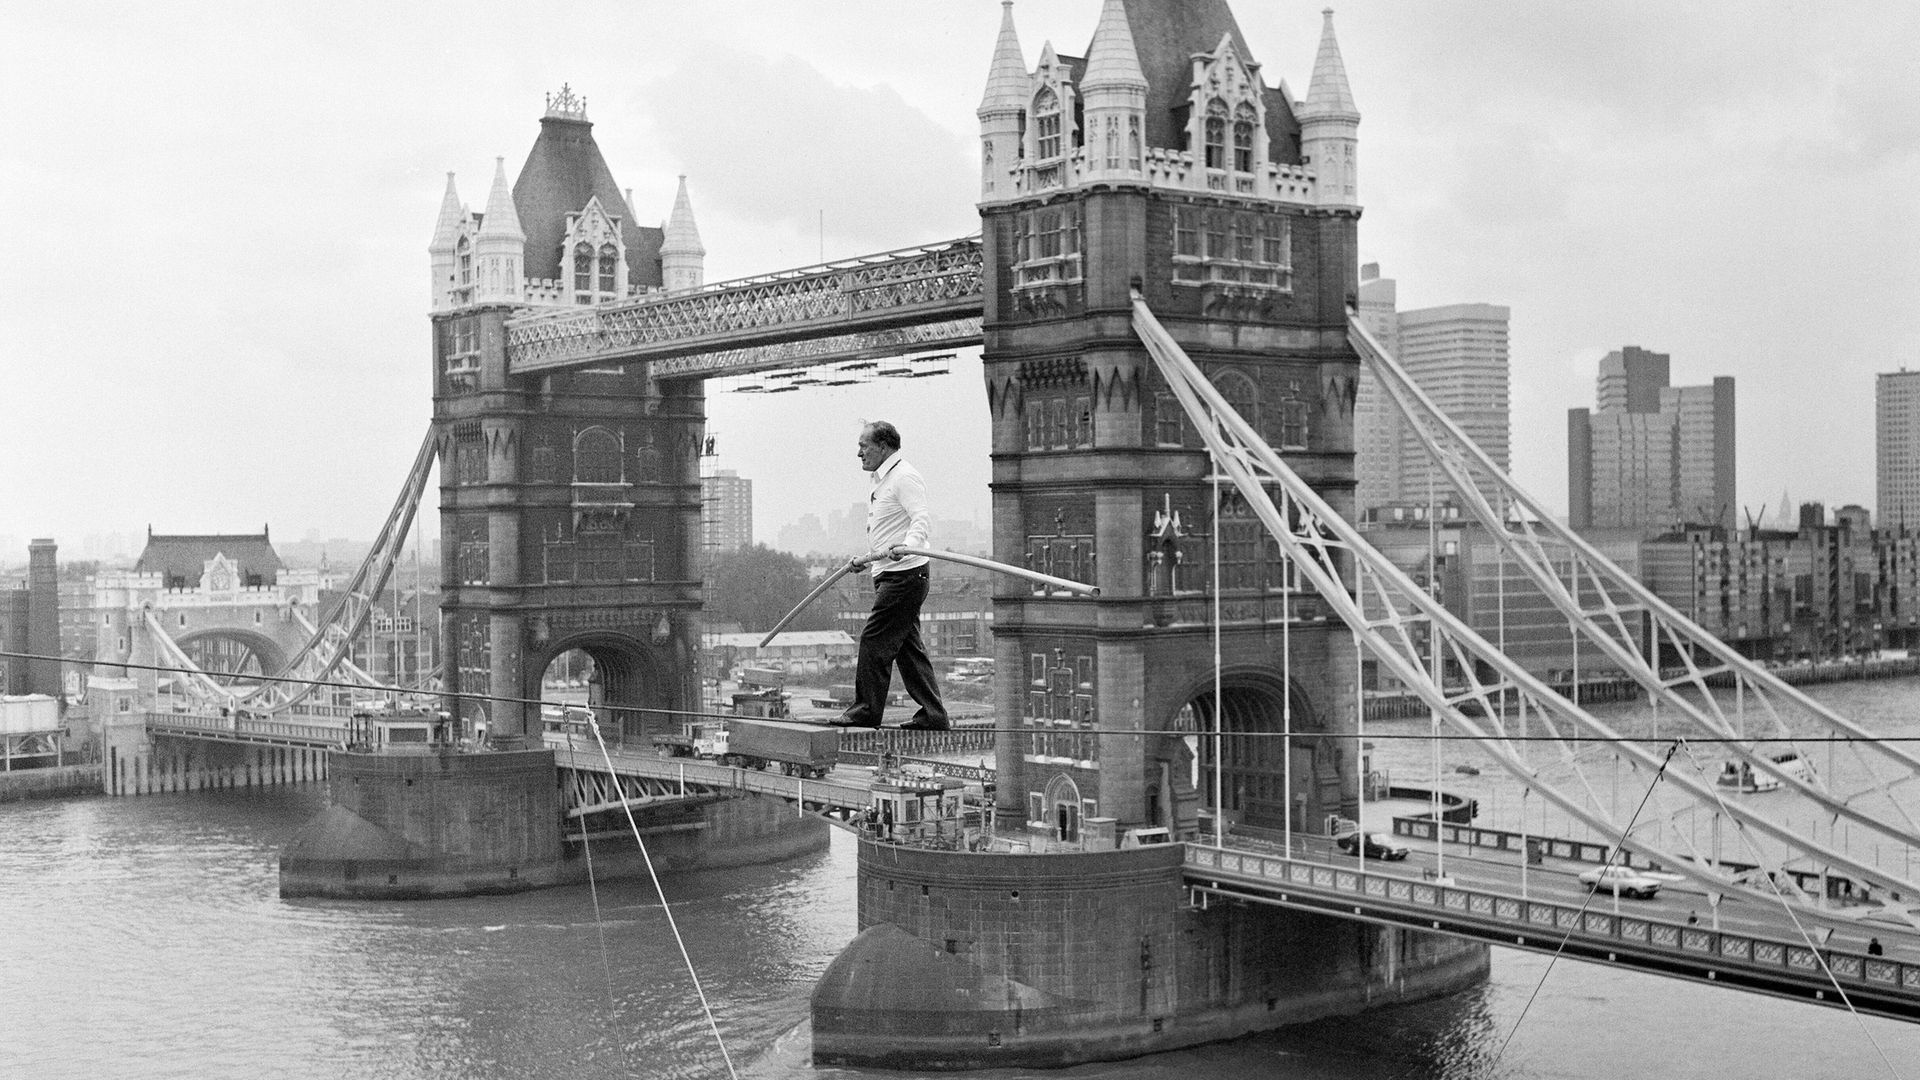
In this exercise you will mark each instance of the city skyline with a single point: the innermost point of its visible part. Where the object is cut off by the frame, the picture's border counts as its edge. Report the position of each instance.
(273, 185)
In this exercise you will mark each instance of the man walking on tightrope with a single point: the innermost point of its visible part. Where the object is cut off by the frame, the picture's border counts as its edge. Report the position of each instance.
(897, 517)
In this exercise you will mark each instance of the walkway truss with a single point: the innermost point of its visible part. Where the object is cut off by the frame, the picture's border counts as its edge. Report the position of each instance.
(323, 659)
(873, 306)
(1503, 709)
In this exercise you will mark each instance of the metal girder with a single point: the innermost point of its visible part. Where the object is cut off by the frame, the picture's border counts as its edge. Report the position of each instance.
(325, 650)
(937, 283)
(833, 348)
(1353, 578)
(1600, 598)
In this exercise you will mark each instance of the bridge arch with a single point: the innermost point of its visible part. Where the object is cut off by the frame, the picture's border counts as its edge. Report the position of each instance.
(231, 652)
(1254, 753)
(632, 684)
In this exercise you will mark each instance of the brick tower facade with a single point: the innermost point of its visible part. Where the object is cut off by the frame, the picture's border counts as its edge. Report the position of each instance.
(1162, 161)
(570, 501)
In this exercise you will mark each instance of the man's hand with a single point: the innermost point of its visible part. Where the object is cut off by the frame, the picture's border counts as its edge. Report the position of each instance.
(897, 551)
(859, 562)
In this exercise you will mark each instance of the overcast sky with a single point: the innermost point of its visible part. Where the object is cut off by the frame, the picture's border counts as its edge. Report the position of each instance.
(214, 305)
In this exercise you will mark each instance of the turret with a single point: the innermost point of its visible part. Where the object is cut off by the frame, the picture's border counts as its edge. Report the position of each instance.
(1113, 93)
(682, 258)
(1330, 126)
(1003, 112)
(501, 247)
(443, 250)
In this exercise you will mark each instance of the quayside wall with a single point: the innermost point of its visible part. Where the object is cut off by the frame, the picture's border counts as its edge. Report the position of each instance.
(971, 961)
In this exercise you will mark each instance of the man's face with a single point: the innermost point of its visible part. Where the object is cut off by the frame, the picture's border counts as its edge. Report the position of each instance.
(871, 453)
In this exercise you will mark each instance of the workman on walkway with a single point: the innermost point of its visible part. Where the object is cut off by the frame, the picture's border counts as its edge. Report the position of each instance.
(897, 518)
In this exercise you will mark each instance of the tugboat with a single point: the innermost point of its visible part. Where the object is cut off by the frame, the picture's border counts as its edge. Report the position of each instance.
(1740, 775)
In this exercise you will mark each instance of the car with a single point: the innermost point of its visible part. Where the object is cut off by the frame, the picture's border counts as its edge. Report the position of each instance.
(1378, 845)
(1624, 880)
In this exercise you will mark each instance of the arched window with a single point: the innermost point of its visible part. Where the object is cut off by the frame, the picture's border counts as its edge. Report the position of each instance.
(1216, 134)
(582, 269)
(1241, 394)
(1133, 143)
(1244, 122)
(1113, 142)
(465, 257)
(609, 259)
(1046, 120)
(596, 457)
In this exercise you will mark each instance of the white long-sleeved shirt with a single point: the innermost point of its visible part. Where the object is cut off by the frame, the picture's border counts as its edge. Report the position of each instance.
(897, 513)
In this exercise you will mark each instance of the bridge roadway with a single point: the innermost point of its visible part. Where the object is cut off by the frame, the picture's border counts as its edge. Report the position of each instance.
(313, 727)
(1483, 896)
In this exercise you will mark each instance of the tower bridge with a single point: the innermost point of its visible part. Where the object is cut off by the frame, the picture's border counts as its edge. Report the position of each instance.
(1161, 290)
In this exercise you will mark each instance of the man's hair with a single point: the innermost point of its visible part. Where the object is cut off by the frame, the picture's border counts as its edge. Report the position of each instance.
(884, 434)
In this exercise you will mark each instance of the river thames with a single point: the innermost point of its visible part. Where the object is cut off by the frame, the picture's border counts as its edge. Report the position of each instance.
(144, 937)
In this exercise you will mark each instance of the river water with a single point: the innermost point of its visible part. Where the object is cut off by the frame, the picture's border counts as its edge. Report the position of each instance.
(144, 937)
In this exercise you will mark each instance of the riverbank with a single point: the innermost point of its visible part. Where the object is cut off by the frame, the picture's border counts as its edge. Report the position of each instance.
(1390, 706)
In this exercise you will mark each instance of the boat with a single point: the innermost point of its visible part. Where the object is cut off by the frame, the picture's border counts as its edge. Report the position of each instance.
(1741, 776)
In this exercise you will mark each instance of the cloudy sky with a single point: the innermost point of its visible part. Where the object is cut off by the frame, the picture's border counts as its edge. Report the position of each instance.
(214, 314)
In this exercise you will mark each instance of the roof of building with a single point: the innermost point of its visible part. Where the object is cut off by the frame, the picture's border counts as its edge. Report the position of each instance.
(1167, 34)
(187, 556)
(563, 170)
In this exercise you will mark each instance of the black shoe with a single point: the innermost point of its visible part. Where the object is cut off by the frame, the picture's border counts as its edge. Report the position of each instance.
(849, 720)
(924, 724)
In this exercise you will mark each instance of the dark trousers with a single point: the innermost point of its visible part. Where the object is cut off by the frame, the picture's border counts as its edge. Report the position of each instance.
(892, 635)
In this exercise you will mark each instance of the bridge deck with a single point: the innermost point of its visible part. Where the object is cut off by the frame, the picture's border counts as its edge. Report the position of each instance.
(1483, 898)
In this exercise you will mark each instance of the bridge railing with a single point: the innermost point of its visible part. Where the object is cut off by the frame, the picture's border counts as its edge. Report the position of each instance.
(1513, 920)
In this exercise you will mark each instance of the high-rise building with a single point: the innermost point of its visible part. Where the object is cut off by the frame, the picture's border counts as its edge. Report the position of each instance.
(1896, 447)
(1651, 457)
(1457, 355)
(726, 511)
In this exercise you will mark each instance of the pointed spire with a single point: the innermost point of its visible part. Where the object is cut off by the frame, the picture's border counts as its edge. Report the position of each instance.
(1007, 79)
(501, 222)
(446, 231)
(1112, 61)
(682, 237)
(1327, 94)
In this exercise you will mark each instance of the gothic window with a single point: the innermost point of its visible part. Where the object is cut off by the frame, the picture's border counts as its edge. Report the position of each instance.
(1167, 420)
(609, 259)
(596, 457)
(1186, 231)
(1046, 119)
(465, 257)
(1244, 239)
(1293, 418)
(1059, 429)
(986, 161)
(583, 272)
(1276, 242)
(1082, 433)
(1216, 134)
(1133, 143)
(1047, 234)
(1243, 127)
(1241, 394)
(1216, 225)
(1113, 142)
(1036, 425)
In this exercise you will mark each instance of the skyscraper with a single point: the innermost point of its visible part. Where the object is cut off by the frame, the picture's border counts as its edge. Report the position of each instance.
(1896, 442)
(1651, 456)
(1457, 355)
(726, 511)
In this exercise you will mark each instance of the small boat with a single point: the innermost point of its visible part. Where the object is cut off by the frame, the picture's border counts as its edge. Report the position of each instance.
(1741, 776)
(1466, 770)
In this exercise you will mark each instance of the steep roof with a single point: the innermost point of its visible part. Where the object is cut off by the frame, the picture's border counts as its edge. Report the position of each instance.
(187, 556)
(1166, 35)
(563, 170)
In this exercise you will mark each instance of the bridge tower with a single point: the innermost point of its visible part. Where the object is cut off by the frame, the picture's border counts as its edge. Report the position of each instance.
(570, 500)
(1163, 161)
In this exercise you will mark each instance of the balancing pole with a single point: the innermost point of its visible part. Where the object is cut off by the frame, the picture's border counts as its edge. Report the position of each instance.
(967, 560)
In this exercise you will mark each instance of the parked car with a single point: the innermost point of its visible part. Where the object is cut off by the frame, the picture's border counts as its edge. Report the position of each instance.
(1378, 845)
(1624, 880)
